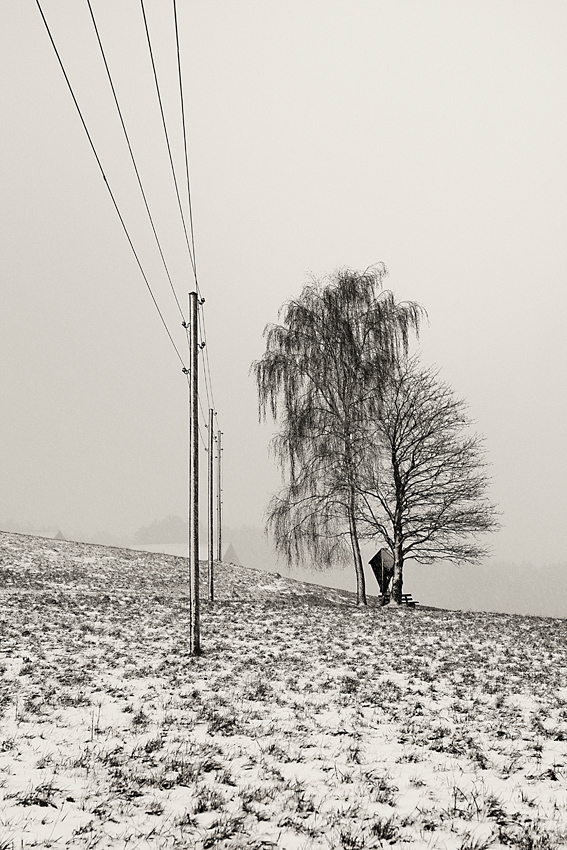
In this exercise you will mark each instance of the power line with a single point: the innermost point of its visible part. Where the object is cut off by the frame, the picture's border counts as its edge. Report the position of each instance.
(99, 163)
(202, 438)
(207, 361)
(132, 156)
(191, 250)
(202, 346)
(186, 371)
(183, 124)
(201, 322)
(202, 413)
(206, 366)
(167, 138)
(199, 347)
(203, 362)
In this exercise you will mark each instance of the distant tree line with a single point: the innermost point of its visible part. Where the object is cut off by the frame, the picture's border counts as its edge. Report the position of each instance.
(371, 444)
(172, 529)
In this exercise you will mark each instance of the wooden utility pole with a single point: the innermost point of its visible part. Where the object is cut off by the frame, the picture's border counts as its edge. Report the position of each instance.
(210, 578)
(194, 624)
(219, 497)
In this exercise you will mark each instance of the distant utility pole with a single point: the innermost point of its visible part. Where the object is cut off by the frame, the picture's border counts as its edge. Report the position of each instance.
(194, 625)
(219, 497)
(210, 579)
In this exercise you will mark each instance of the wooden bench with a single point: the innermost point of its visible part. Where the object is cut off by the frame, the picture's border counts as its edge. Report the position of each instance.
(407, 599)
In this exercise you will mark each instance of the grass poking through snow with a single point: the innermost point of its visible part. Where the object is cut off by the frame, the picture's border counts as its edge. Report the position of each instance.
(306, 723)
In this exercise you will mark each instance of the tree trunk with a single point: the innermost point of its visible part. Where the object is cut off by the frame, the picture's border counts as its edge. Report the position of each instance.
(398, 577)
(359, 569)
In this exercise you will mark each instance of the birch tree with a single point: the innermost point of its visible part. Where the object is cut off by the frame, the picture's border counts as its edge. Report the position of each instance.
(321, 378)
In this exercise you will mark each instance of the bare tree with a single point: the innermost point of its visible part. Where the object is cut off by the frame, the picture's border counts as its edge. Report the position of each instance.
(322, 375)
(424, 490)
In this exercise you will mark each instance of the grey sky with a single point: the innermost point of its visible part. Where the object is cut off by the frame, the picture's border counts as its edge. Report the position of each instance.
(430, 136)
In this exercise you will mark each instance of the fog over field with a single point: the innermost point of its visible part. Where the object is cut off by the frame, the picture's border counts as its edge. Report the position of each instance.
(320, 135)
(500, 586)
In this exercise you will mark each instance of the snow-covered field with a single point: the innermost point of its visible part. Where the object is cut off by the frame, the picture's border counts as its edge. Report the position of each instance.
(306, 723)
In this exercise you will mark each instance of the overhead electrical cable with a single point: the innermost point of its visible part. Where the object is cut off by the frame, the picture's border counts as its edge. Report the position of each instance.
(203, 414)
(201, 409)
(190, 248)
(99, 163)
(201, 347)
(164, 123)
(132, 156)
(206, 362)
(204, 351)
(207, 392)
(183, 124)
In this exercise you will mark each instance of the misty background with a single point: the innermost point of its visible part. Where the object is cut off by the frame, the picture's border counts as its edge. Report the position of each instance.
(431, 137)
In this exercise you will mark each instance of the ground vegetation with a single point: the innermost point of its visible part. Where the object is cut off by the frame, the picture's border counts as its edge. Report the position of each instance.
(306, 724)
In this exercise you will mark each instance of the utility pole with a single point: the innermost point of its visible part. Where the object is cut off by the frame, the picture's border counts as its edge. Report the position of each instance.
(194, 625)
(210, 578)
(219, 497)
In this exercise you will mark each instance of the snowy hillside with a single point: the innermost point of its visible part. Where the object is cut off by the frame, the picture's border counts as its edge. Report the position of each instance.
(306, 723)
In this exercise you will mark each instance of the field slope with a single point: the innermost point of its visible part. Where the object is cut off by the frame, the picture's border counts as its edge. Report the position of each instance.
(306, 723)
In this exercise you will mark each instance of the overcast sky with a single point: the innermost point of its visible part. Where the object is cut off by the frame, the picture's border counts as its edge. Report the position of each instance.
(430, 136)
